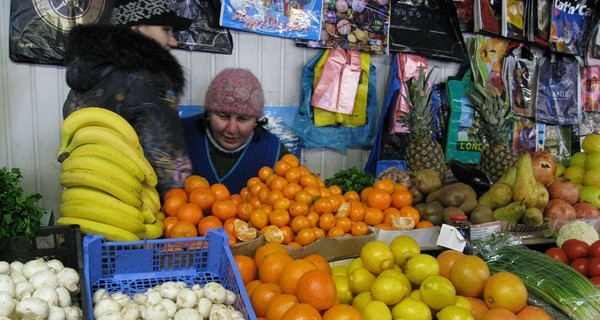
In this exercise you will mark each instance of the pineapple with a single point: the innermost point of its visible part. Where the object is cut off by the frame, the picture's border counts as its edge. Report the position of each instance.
(422, 152)
(495, 123)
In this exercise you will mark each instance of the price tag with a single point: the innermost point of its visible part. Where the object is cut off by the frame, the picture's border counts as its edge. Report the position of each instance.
(450, 238)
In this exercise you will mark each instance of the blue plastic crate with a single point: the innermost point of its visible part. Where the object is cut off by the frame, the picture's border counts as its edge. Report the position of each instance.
(133, 267)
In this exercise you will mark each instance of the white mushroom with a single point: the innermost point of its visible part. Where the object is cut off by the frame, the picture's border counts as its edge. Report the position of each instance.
(99, 295)
(32, 267)
(47, 294)
(7, 285)
(169, 290)
(187, 314)
(69, 278)
(215, 292)
(32, 308)
(56, 313)
(186, 298)
(4, 267)
(64, 297)
(44, 278)
(7, 303)
(104, 306)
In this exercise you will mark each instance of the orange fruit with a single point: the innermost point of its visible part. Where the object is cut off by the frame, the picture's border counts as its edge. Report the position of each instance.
(309, 180)
(207, 223)
(359, 228)
(246, 267)
(446, 259)
(204, 197)
(533, 313)
(288, 234)
(272, 233)
(243, 231)
(298, 223)
(175, 192)
(291, 273)
(383, 226)
(411, 212)
(344, 222)
(250, 286)
(364, 193)
(259, 218)
(303, 196)
(272, 266)
(356, 211)
(252, 181)
(237, 199)
(283, 203)
(304, 170)
(224, 209)
(504, 290)
(336, 190)
(379, 199)
(293, 175)
(324, 192)
(469, 275)
(424, 224)
(389, 213)
(319, 261)
(298, 209)
(229, 225)
(499, 314)
(326, 221)
(320, 233)
(342, 312)
(264, 172)
(266, 249)
(244, 210)
(220, 190)
(401, 198)
(373, 216)
(168, 222)
(335, 231)
(399, 186)
(351, 195)
(305, 236)
(171, 205)
(302, 311)
(194, 181)
(291, 189)
(183, 229)
(384, 184)
(255, 189)
(317, 288)
(190, 212)
(280, 305)
(478, 307)
(277, 183)
(281, 167)
(291, 159)
(322, 206)
(232, 238)
(262, 296)
(313, 218)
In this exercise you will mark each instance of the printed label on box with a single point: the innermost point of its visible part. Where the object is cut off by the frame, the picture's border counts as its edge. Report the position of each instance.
(479, 231)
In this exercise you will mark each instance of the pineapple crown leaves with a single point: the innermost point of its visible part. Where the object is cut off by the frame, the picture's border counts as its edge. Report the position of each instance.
(495, 115)
(418, 99)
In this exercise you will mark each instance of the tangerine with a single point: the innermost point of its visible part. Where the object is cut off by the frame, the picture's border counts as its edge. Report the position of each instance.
(298, 223)
(281, 167)
(309, 180)
(272, 233)
(356, 211)
(266, 249)
(326, 221)
(401, 198)
(499, 314)
(288, 234)
(319, 261)
(373, 216)
(359, 228)
(313, 218)
(446, 259)
(280, 305)
(364, 193)
(291, 159)
(293, 175)
(291, 189)
(384, 184)
(194, 181)
(175, 192)
(246, 267)
(344, 223)
(259, 218)
(264, 172)
(183, 229)
(411, 212)
(271, 268)
(244, 210)
(302, 311)
(204, 197)
(190, 212)
(224, 209)
(207, 223)
(262, 296)
(379, 199)
(335, 231)
(424, 224)
(533, 313)
(336, 190)
(291, 273)
(221, 191)
(277, 183)
(298, 209)
(168, 222)
(172, 204)
(317, 288)
(342, 312)
(389, 213)
(305, 236)
(303, 196)
(351, 195)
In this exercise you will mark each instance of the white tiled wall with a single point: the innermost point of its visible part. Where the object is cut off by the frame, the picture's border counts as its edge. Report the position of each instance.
(31, 98)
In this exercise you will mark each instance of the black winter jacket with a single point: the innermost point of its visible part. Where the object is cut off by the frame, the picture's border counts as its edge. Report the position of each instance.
(119, 69)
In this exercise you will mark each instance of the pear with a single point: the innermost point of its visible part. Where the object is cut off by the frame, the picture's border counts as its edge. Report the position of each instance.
(481, 214)
(543, 196)
(501, 194)
(525, 188)
(511, 213)
(533, 217)
(509, 176)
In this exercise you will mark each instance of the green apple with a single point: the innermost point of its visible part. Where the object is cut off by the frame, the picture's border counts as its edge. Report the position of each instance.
(574, 174)
(591, 177)
(591, 143)
(578, 159)
(592, 161)
(590, 194)
(560, 169)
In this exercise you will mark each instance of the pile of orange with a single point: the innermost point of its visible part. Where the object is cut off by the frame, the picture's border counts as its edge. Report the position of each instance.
(283, 288)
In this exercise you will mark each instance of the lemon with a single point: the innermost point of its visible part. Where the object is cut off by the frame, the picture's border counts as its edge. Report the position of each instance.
(416, 294)
(361, 300)
(437, 292)
(578, 159)
(377, 256)
(403, 248)
(356, 263)
(462, 302)
(376, 310)
(453, 312)
(361, 280)
(342, 286)
(574, 174)
(388, 289)
(591, 143)
(394, 272)
(339, 271)
(411, 308)
(420, 267)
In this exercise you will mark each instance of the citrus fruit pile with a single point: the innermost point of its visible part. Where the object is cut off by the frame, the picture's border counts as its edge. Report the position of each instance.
(283, 288)
(397, 281)
(288, 204)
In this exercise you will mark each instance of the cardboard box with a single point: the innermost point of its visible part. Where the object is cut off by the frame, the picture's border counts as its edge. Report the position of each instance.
(344, 247)
(556, 224)
(427, 237)
(247, 248)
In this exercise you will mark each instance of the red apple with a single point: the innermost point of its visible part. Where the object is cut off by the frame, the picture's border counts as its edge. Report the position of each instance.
(563, 189)
(544, 166)
(585, 210)
(559, 209)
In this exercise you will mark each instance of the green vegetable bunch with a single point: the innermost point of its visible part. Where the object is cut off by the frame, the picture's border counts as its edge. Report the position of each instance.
(19, 213)
(351, 179)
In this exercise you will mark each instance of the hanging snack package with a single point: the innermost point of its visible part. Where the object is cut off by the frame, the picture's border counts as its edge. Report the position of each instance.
(520, 75)
(487, 16)
(570, 25)
(487, 57)
(513, 19)
(557, 93)
(590, 89)
(524, 136)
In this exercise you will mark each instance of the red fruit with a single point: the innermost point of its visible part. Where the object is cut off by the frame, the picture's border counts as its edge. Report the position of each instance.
(576, 249)
(558, 254)
(544, 166)
(594, 267)
(582, 265)
(596, 281)
(595, 249)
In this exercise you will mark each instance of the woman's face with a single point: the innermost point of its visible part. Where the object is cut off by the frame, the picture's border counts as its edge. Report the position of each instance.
(161, 34)
(231, 130)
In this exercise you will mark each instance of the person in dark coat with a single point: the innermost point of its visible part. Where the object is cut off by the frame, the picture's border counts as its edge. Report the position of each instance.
(126, 67)
(228, 143)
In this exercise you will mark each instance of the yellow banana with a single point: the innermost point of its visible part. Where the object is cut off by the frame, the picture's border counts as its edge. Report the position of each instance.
(100, 197)
(104, 167)
(105, 136)
(151, 196)
(92, 179)
(148, 214)
(110, 233)
(153, 231)
(103, 214)
(111, 154)
(95, 116)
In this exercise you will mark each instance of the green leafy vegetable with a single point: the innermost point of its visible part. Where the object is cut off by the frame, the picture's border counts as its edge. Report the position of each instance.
(350, 179)
(20, 214)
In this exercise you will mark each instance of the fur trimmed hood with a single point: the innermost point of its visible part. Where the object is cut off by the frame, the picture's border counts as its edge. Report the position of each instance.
(94, 51)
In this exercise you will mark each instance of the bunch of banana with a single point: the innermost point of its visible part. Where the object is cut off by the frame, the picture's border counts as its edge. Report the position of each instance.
(109, 185)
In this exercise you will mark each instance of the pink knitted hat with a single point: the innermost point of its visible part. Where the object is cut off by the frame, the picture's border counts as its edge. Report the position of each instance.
(235, 91)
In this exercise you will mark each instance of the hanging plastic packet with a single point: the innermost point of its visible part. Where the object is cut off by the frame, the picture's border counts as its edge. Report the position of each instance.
(520, 76)
(524, 136)
(590, 88)
(489, 57)
(557, 94)
(570, 24)
(464, 12)
(513, 19)
(556, 140)
(409, 65)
